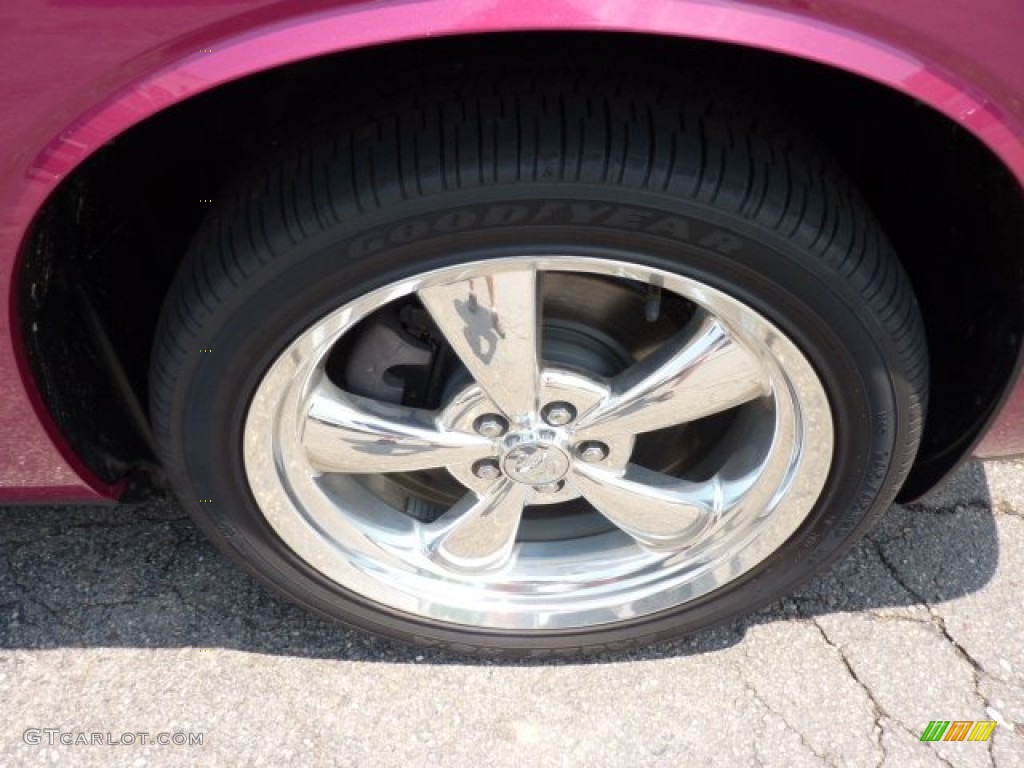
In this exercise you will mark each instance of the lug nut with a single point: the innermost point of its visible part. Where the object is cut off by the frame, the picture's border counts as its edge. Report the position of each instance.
(487, 469)
(490, 425)
(592, 451)
(548, 488)
(558, 414)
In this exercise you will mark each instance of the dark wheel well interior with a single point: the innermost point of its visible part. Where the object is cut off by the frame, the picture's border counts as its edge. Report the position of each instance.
(105, 247)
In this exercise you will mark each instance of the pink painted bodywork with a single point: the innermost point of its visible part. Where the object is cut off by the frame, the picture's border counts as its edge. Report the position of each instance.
(76, 73)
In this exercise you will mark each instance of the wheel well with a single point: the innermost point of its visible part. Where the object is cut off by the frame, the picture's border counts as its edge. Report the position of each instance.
(104, 249)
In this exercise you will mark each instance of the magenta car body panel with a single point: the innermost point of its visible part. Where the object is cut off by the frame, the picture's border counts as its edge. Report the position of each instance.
(77, 73)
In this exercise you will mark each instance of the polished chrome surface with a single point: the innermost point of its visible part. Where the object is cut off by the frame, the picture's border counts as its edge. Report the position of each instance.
(592, 451)
(558, 414)
(487, 469)
(348, 433)
(491, 321)
(312, 452)
(554, 487)
(491, 425)
(701, 372)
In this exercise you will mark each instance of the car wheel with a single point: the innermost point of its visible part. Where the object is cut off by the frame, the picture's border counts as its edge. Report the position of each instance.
(544, 371)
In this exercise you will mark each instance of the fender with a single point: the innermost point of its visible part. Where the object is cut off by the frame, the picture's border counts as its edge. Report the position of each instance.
(869, 39)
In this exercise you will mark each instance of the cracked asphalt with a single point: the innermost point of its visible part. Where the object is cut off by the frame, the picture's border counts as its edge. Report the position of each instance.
(124, 620)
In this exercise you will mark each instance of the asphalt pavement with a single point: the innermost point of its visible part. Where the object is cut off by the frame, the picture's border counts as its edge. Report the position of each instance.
(121, 626)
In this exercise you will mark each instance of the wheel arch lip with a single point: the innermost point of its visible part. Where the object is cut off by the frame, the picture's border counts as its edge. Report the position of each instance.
(859, 49)
(183, 71)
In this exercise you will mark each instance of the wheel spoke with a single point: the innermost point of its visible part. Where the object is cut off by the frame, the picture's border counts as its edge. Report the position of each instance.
(696, 375)
(657, 510)
(348, 433)
(492, 322)
(479, 532)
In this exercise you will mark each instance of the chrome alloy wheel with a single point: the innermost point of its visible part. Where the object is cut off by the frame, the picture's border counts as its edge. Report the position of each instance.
(522, 432)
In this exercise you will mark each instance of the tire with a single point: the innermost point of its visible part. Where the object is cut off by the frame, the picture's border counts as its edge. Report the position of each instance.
(539, 369)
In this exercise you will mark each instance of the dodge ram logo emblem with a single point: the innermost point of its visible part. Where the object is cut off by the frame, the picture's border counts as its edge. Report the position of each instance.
(536, 464)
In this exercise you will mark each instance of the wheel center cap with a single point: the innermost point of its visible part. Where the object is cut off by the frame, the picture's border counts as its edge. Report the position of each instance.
(533, 459)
